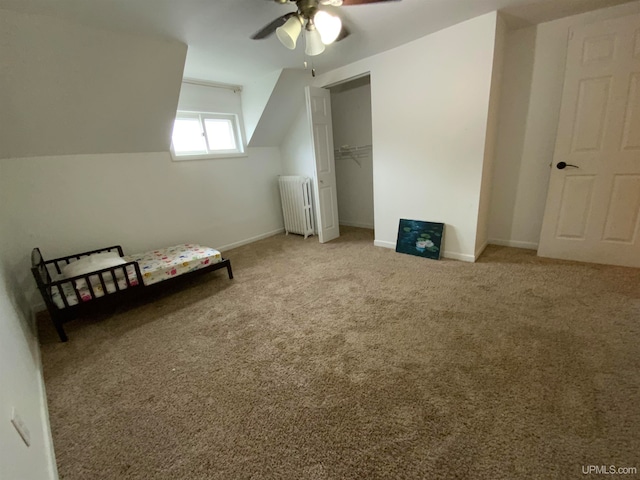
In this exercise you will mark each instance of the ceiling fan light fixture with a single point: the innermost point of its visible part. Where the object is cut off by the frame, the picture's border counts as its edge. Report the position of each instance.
(289, 32)
(328, 25)
(314, 41)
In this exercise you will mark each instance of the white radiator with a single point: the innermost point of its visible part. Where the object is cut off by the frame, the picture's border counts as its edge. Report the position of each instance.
(295, 193)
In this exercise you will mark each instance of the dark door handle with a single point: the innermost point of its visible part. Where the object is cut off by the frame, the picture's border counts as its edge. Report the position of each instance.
(563, 165)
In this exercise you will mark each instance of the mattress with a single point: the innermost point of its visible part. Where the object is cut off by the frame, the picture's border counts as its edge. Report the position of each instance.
(159, 265)
(155, 266)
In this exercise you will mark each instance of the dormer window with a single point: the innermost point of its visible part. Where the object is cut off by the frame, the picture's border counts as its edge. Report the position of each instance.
(200, 135)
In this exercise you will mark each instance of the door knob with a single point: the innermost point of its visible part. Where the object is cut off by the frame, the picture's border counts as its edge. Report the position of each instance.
(563, 165)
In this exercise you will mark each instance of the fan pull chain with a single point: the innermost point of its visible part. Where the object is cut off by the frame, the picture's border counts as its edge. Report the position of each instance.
(305, 62)
(306, 67)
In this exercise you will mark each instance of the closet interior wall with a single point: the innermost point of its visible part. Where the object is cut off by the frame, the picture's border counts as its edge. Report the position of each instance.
(351, 112)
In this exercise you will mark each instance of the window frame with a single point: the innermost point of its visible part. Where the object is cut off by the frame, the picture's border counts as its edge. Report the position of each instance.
(239, 151)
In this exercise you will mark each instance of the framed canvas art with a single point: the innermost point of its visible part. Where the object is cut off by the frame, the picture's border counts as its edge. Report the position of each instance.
(423, 239)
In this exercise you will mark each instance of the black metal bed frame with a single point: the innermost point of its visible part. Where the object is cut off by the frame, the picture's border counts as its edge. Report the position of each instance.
(59, 316)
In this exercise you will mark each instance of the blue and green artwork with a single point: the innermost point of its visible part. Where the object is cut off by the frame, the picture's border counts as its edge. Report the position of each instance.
(422, 239)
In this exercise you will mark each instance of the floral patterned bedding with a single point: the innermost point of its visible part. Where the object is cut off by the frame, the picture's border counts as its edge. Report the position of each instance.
(155, 266)
(159, 265)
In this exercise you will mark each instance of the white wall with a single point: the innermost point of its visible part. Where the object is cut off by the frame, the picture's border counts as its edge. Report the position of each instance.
(532, 91)
(286, 99)
(255, 96)
(22, 388)
(75, 203)
(70, 89)
(21, 383)
(430, 101)
(195, 96)
(482, 236)
(504, 224)
(296, 148)
(351, 112)
(297, 151)
(142, 200)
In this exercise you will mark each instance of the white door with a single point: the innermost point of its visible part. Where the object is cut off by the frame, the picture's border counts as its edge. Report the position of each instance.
(319, 112)
(593, 204)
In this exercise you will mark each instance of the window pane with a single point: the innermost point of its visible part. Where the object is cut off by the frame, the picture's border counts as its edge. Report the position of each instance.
(220, 134)
(187, 136)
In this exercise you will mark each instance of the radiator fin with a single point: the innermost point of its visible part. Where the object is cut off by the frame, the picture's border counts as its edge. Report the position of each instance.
(295, 193)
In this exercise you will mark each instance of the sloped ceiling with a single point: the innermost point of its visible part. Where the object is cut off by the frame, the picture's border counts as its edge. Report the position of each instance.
(286, 100)
(218, 31)
(67, 89)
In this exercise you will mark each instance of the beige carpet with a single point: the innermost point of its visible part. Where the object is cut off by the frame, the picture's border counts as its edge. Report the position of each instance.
(347, 361)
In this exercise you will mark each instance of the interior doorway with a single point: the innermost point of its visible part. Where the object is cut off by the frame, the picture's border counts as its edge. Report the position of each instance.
(352, 139)
(593, 203)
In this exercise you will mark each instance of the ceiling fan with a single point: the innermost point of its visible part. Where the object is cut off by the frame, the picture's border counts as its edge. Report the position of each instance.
(321, 28)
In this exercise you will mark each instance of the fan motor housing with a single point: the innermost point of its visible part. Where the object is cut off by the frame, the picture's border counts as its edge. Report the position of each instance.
(307, 8)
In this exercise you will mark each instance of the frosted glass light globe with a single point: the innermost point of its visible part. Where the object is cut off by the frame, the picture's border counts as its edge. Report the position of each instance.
(328, 26)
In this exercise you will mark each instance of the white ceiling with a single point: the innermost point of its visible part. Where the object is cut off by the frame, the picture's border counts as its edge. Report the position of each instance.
(218, 31)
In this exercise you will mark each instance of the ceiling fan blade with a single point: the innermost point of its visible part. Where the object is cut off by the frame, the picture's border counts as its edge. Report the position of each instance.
(271, 27)
(364, 2)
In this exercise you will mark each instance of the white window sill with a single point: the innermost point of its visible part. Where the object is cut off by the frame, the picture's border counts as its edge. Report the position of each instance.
(208, 156)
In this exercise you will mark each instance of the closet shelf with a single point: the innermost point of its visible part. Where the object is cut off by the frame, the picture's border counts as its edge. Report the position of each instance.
(354, 153)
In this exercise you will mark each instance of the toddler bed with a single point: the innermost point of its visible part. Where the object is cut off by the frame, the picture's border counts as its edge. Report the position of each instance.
(82, 283)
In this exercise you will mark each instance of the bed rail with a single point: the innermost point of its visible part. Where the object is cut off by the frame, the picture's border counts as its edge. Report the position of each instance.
(128, 272)
(106, 276)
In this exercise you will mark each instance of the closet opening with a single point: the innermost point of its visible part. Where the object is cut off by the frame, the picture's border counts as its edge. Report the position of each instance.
(352, 139)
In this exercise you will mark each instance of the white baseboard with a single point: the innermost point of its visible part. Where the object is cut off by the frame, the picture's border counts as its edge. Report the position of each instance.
(357, 225)
(463, 257)
(452, 255)
(383, 244)
(513, 243)
(480, 250)
(250, 240)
